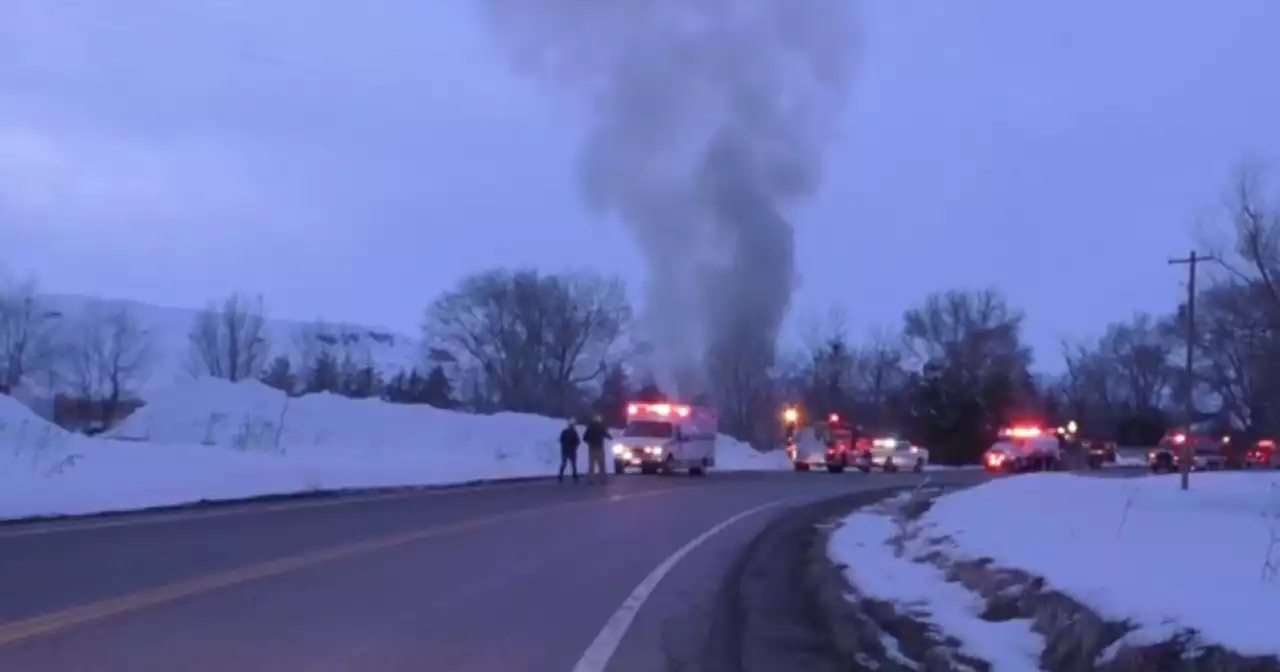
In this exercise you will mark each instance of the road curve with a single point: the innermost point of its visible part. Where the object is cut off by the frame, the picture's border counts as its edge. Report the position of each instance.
(506, 578)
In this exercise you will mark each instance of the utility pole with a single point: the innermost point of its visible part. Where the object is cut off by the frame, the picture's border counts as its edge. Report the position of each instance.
(1186, 453)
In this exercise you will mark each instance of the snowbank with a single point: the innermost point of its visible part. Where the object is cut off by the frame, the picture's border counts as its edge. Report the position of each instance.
(879, 559)
(210, 439)
(31, 445)
(1139, 550)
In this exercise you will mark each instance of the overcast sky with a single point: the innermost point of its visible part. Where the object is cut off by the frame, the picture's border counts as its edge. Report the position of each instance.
(351, 160)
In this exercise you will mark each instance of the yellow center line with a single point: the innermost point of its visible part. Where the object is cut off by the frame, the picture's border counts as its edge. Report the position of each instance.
(16, 631)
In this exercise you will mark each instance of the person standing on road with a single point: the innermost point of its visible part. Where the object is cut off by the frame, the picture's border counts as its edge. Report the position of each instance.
(569, 443)
(594, 436)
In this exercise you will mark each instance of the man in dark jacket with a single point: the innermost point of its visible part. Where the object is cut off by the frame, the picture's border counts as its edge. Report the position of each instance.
(594, 436)
(569, 443)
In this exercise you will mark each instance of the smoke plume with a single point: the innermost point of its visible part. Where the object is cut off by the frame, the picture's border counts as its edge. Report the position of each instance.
(706, 120)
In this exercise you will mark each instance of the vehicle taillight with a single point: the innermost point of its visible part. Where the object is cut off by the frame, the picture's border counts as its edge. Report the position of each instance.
(995, 459)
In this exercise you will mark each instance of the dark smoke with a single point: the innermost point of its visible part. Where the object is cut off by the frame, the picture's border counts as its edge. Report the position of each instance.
(707, 118)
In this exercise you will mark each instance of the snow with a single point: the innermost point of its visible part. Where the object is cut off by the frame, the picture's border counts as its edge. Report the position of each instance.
(1137, 549)
(209, 439)
(865, 543)
(169, 330)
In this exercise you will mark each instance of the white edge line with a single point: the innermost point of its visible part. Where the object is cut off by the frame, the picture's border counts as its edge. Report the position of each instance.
(598, 655)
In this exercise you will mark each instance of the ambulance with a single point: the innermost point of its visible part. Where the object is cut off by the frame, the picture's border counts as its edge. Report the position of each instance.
(665, 438)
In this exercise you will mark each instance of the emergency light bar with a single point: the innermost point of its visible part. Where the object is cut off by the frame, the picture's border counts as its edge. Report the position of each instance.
(1021, 432)
(660, 409)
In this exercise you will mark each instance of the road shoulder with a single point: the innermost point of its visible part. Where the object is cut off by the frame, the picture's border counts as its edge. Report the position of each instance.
(772, 612)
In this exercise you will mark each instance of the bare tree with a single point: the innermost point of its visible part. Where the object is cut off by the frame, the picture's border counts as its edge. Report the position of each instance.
(828, 368)
(878, 371)
(109, 355)
(532, 339)
(972, 371)
(587, 319)
(1088, 387)
(1255, 223)
(743, 388)
(1238, 321)
(230, 341)
(975, 333)
(28, 343)
(1139, 352)
(1121, 383)
(1238, 352)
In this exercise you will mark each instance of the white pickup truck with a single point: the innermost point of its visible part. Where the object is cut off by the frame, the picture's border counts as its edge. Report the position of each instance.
(1022, 449)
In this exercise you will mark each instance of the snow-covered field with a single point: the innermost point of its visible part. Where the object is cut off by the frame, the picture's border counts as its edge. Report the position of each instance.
(208, 439)
(1201, 563)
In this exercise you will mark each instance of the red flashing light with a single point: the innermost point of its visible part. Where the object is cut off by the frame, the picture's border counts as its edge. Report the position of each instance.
(1022, 432)
(834, 417)
(1266, 443)
(1179, 438)
(659, 409)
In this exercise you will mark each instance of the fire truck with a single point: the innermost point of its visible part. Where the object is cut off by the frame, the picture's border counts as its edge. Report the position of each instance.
(1024, 447)
(1208, 453)
(665, 437)
(1262, 455)
(827, 444)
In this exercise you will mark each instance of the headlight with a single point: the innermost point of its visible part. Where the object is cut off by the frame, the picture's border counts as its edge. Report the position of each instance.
(653, 450)
(619, 449)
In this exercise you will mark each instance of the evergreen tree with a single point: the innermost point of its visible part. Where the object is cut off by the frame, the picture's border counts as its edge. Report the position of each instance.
(437, 389)
(324, 375)
(279, 374)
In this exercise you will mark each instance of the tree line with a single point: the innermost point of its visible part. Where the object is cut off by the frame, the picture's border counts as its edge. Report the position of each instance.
(567, 345)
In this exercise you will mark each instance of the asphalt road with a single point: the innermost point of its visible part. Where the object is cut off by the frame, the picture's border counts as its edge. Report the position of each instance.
(517, 577)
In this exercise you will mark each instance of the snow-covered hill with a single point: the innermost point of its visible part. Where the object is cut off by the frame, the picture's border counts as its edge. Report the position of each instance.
(169, 330)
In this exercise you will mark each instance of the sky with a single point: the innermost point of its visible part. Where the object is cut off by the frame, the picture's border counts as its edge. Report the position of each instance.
(352, 160)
